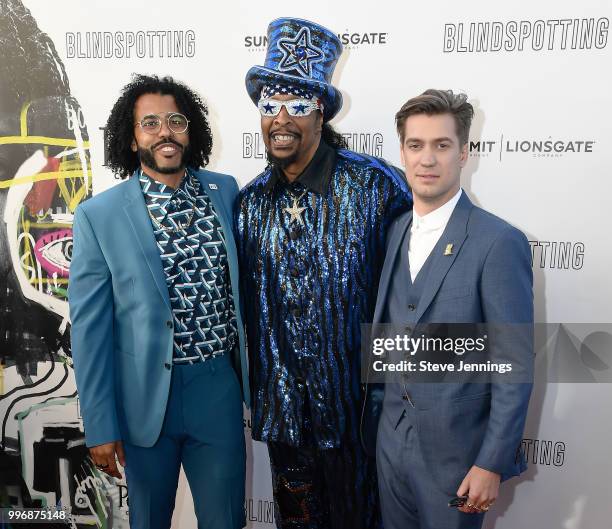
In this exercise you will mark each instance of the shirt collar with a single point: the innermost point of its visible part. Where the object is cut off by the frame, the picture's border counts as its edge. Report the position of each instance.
(317, 174)
(155, 191)
(437, 218)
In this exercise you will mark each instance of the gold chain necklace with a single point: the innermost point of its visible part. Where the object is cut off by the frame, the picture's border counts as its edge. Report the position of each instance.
(181, 226)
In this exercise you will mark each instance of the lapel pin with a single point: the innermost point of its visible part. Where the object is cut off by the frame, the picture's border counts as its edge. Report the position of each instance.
(214, 186)
(449, 249)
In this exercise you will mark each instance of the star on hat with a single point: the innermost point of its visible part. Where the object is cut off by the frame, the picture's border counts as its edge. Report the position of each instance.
(299, 53)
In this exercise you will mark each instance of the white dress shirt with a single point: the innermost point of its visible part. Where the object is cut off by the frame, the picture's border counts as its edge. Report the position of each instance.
(425, 232)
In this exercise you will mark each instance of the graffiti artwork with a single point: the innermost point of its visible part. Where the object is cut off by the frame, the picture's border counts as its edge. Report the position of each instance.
(45, 172)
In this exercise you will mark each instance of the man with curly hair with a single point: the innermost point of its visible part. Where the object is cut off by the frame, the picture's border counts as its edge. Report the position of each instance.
(156, 329)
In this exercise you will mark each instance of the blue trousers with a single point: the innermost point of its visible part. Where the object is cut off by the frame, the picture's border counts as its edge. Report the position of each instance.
(409, 496)
(203, 431)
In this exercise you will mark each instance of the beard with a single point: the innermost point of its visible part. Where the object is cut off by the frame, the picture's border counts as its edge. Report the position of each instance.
(281, 163)
(147, 158)
(285, 161)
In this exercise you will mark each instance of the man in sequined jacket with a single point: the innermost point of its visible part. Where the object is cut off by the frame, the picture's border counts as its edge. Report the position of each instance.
(311, 232)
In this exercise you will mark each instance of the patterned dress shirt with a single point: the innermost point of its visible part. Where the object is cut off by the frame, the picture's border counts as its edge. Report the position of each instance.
(310, 280)
(191, 245)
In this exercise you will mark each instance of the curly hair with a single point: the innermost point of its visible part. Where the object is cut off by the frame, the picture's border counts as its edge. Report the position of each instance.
(30, 67)
(333, 138)
(120, 125)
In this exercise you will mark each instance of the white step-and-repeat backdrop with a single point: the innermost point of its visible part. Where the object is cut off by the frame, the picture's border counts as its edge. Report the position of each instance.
(539, 76)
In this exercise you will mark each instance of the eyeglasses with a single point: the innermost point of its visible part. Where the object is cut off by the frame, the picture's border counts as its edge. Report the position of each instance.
(176, 122)
(295, 107)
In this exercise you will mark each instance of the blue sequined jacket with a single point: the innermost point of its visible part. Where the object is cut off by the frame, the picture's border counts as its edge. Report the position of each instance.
(309, 284)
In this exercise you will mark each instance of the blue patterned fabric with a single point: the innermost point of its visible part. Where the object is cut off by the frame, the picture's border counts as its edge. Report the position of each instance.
(308, 288)
(285, 89)
(192, 249)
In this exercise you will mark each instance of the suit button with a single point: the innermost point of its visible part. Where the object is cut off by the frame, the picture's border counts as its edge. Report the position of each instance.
(411, 307)
(168, 366)
(169, 324)
(297, 312)
(294, 235)
(408, 328)
(295, 272)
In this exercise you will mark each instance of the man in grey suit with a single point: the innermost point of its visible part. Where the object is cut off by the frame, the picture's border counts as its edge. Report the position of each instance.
(449, 262)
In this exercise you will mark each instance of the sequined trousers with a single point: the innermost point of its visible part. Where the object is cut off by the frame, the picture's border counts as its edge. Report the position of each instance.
(314, 488)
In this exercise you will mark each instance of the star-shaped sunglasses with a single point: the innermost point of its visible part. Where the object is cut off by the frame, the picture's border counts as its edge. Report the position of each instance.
(295, 107)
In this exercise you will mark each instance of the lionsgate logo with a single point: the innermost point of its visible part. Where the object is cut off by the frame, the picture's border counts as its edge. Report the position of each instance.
(349, 39)
(526, 35)
(370, 143)
(352, 40)
(543, 452)
(549, 147)
(162, 43)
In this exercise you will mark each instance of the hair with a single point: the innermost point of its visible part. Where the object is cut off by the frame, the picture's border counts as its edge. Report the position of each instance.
(121, 159)
(30, 67)
(333, 138)
(433, 102)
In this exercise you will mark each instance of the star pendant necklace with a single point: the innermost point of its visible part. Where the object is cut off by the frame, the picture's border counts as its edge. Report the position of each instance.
(295, 211)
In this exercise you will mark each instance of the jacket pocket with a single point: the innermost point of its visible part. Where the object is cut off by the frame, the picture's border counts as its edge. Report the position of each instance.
(445, 294)
(475, 396)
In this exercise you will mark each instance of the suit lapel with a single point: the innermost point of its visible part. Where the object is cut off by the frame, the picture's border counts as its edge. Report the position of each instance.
(395, 241)
(455, 233)
(136, 211)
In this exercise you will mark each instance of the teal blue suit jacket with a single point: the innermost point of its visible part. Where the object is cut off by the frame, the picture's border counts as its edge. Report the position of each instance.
(122, 330)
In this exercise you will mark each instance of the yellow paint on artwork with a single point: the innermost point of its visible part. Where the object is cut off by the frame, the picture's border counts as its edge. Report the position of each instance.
(43, 140)
(23, 119)
(71, 191)
(59, 175)
(47, 225)
(71, 197)
(49, 281)
(27, 256)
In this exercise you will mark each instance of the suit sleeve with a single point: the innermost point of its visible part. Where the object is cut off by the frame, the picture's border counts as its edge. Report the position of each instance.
(241, 234)
(399, 197)
(507, 304)
(233, 186)
(91, 313)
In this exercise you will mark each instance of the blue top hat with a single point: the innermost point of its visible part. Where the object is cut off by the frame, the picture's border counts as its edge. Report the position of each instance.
(302, 54)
